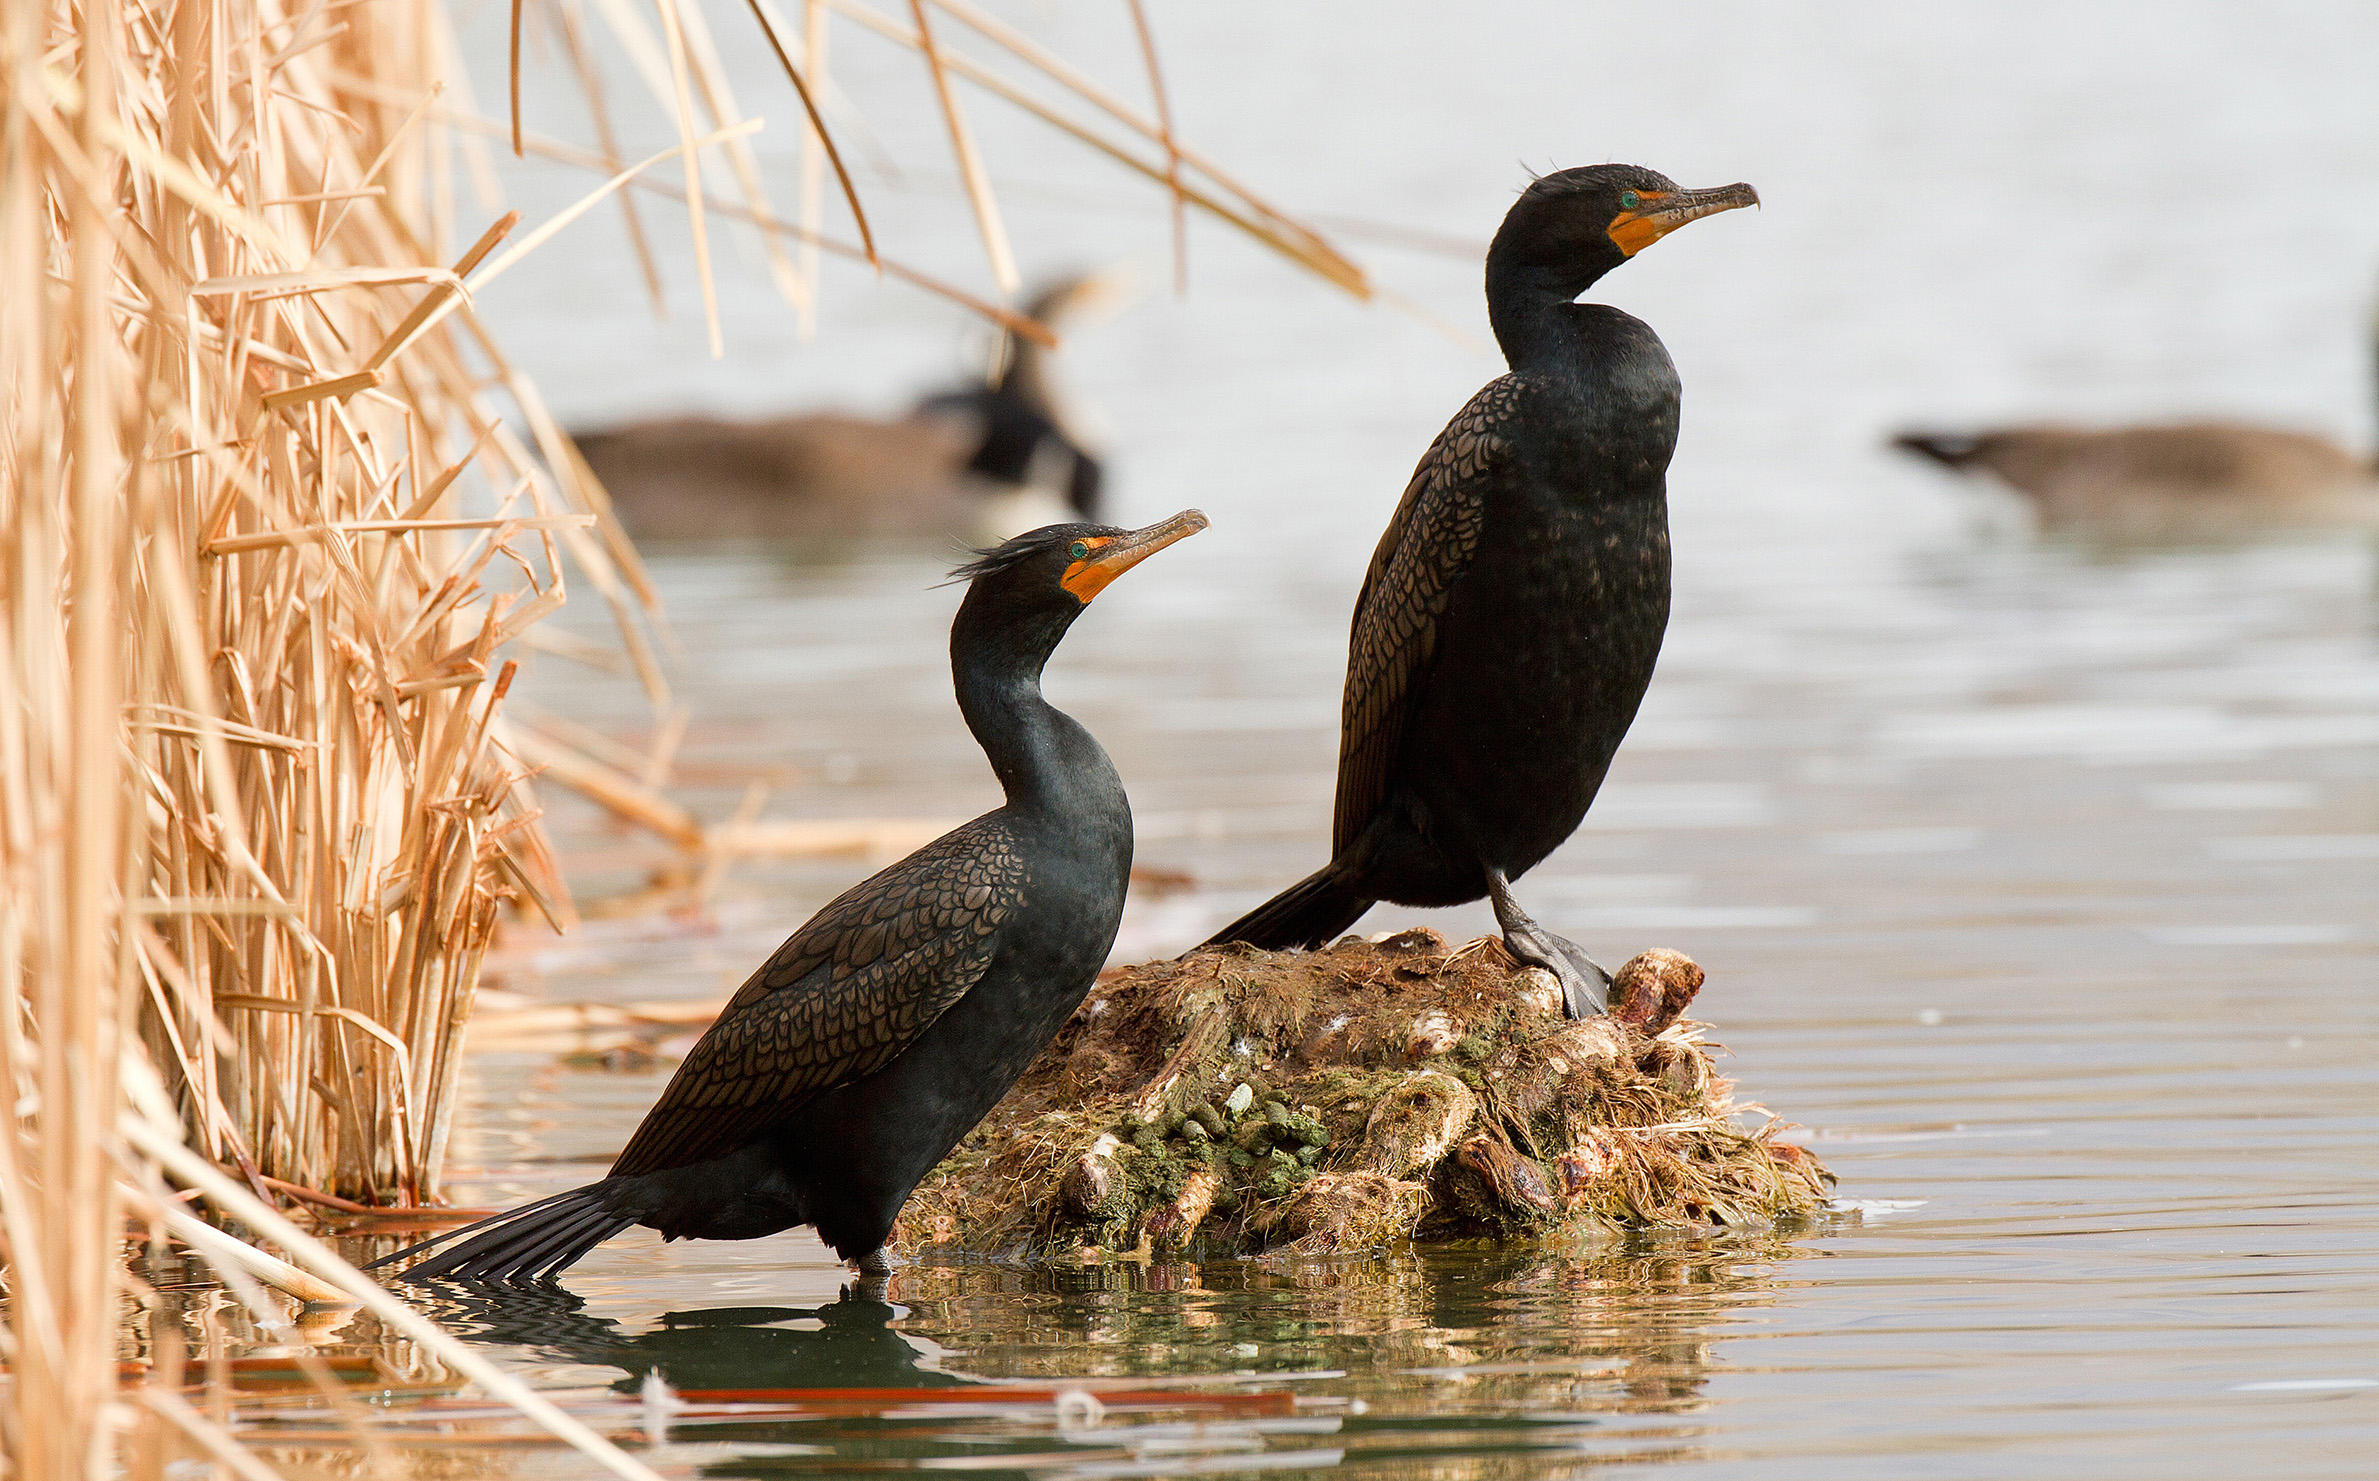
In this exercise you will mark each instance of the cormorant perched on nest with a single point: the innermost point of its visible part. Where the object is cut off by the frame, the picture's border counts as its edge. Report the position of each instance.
(984, 462)
(1514, 609)
(2208, 478)
(880, 1032)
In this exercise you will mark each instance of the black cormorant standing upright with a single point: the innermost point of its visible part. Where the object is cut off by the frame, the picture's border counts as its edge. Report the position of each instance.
(884, 1029)
(1514, 609)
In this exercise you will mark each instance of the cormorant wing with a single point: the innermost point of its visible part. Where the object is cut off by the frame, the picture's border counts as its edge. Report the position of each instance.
(1427, 546)
(842, 996)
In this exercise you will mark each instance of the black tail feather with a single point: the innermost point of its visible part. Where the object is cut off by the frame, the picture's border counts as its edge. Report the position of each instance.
(559, 1249)
(1950, 449)
(520, 1245)
(1315, 911)
(490, 1222)
(518, 1250)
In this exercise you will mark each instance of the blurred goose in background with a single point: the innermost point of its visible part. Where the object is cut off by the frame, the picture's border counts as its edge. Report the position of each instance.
(984, 463)
(2182, 479)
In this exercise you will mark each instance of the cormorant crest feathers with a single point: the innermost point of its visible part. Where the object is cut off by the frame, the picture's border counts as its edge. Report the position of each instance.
(1012, 553)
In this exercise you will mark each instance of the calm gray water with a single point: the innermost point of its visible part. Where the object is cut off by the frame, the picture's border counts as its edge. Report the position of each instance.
(2037, 881)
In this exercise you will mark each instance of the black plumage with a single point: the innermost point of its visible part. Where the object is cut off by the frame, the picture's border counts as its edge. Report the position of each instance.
(882, 1030)
(1514, 609)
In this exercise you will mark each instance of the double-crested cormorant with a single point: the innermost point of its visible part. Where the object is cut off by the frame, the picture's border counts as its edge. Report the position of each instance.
(880, 1032)
(985, 461)
(1514, 609)
(2177, 479)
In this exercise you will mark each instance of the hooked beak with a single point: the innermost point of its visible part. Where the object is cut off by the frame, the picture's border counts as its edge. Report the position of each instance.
(1111, 557)
(1664, 211)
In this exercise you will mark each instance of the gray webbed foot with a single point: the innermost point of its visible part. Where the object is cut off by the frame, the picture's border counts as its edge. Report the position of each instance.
(1585, 986)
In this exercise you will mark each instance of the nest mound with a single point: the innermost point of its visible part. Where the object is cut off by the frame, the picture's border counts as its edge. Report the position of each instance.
(1240, 1101)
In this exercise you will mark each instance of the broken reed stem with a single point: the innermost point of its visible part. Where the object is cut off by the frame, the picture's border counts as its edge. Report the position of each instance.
(970, 160)
(317, 1260)
(817, 137)
(1224, 199)
(1164, 123)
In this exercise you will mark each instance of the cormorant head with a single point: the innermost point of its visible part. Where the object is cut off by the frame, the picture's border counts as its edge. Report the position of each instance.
(1572, 226)
(1041, 580)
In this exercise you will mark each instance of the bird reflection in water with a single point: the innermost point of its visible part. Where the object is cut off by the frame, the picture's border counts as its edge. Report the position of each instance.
(1453, 1357)
(847, 1343)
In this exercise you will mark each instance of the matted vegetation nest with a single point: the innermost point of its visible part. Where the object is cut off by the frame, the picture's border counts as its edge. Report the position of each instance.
(1239, 1101)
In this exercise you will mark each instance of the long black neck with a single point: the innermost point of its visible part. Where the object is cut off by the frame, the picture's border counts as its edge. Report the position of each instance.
(1044, 759)
(1530, 310)
(1622, 406)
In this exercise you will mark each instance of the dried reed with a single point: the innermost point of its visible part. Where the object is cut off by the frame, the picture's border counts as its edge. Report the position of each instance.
(265, 541)
(317, 539)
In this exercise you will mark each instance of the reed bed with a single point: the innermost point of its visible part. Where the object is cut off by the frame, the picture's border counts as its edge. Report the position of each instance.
(276, 516)
(244, 357)
(267, 543)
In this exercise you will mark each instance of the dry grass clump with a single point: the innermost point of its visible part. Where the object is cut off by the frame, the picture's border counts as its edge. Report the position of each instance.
(1241, 1100)
(266, 547)
(256, 813)
(327, 540)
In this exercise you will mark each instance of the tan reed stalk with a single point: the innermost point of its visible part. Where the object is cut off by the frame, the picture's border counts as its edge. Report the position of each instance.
(65, 831)
(970, 159)
(814, 33)
(267, 542)
(259, 810)
(262, 543)
(1222, 196)
(1164, 124)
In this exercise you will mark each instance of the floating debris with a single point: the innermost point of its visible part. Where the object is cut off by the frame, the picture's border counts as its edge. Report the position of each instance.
(1240, 1101)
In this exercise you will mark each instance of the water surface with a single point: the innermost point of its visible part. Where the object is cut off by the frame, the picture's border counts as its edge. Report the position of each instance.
(2035, 880)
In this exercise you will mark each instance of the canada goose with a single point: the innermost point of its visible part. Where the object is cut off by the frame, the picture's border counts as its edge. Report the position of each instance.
(2181, 479)
(983, 463)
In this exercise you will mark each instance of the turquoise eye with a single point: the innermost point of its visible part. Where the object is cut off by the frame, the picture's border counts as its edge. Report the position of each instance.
(1627, 200)
(1078, 551)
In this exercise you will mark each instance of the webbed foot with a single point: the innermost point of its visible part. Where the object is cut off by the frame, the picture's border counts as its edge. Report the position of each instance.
(1585, 986)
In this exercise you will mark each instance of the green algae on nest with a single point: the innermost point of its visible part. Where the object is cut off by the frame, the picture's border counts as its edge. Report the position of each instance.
(1241, 1101)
